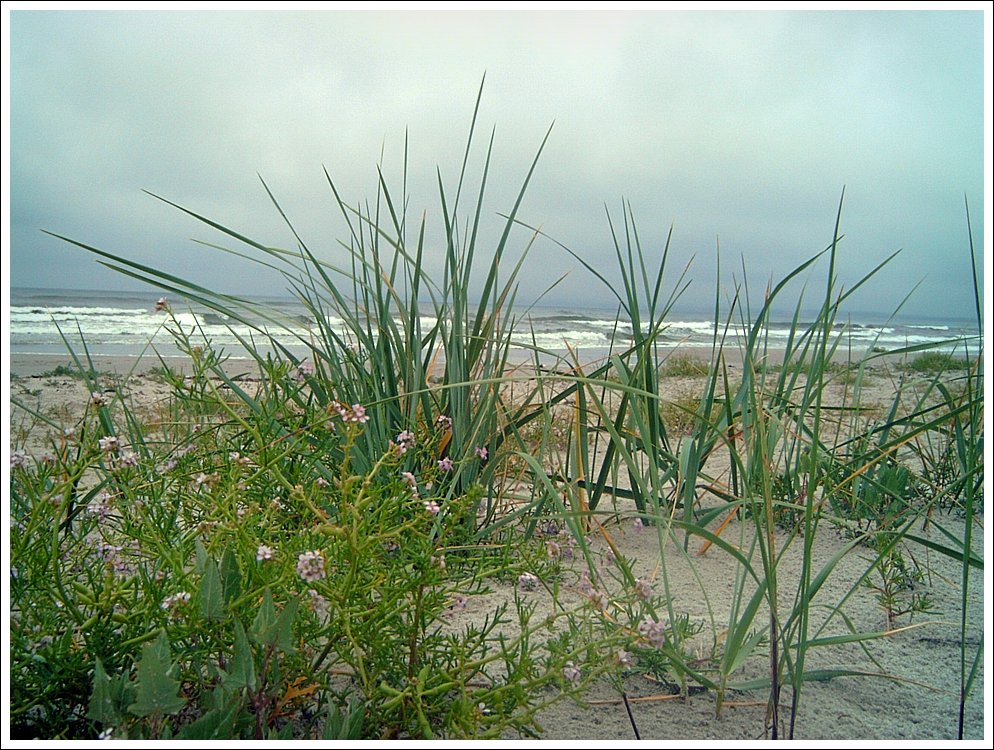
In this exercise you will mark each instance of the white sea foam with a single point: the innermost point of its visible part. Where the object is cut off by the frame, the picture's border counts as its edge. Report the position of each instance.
(126, 323)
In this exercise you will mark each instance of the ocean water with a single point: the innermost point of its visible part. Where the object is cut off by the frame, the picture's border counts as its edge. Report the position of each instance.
(47, 321)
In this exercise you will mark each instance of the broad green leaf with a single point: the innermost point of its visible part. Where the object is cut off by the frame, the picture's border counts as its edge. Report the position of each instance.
(211, 593)
(242, 669)
(213, 725)
(344, 726)
(231, 576)
(283, 631)
(102, 708)
(286, 733)
(264, 620)
(201, 563)
(157, 692)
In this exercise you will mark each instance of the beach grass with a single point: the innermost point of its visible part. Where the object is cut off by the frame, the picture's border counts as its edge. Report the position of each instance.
(289, 557)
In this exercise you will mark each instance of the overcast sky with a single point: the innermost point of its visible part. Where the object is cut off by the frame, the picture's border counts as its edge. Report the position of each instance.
(735, 127)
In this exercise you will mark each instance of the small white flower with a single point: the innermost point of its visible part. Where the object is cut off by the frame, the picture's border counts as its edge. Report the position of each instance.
(571, 674)
(310, 566)
(319, 604)
(528, 581)
(128, 458)
(357, 414)
(264, 553)
(97, 398)
(624, 659)
(432, 507)
(19, 460)
(102, 505)
(109, 444)
(209, 479)
(175, 601)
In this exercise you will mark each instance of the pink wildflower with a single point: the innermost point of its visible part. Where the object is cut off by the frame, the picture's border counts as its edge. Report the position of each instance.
(432, 507)
(167, 466)
(319, 604)
(598, 599)
(571, 674)
(654, 632)
(585, 585)
(264, 553)
(161, 304)
(411, 482)
(109, 444)
(128, 458)
(643, 589)
(102, 506)
(310, 566)
(527, 581)
(446, 464)
(481, 453)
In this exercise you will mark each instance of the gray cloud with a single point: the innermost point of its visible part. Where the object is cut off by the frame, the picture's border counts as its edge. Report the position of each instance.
(738, 126)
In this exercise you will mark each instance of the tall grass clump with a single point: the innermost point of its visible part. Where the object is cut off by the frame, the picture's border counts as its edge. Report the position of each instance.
(800, 466)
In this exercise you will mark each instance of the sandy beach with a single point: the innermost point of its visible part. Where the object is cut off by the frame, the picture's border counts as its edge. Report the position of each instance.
(910, 691)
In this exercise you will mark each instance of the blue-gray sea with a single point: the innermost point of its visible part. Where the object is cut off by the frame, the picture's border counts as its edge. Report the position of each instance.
(114, 323)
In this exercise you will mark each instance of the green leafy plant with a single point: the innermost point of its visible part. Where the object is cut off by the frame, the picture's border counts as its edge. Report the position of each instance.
(898, 584)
